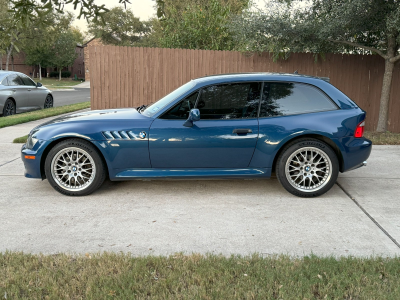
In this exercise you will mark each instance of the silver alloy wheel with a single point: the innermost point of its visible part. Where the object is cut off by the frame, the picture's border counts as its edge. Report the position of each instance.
(73, 169)
(308, 169)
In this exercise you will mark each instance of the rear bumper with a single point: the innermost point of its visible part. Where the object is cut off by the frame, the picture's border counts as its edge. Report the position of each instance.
(357, 153)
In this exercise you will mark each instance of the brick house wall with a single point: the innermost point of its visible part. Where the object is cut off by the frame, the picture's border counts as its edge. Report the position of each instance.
(77, 68)
(90, 43)
(19, 64)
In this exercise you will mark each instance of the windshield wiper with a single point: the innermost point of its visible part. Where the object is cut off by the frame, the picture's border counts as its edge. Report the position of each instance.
(139, 109)
(143, 107)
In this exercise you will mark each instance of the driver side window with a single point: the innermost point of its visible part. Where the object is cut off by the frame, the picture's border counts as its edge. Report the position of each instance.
(181, 110)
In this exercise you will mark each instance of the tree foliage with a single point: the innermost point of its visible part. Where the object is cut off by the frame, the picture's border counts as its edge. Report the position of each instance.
(118, 27)
(14, 31)
(341, 26)
(26, 10)
(164, 7)
(38, 42)
(199, 24)
(63, 51)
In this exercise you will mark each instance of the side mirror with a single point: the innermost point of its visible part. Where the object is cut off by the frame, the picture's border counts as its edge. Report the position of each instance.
(39, 84)
(194, 115)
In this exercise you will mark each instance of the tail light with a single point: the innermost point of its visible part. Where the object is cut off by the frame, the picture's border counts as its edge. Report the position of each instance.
(359, 132)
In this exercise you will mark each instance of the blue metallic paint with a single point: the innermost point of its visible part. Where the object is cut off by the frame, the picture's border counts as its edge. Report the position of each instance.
(204, 145)
(169, 148)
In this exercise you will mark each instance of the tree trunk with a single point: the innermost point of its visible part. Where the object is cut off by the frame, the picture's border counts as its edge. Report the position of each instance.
(12, 62)
(385, 96)
(1, 61)
(9, 51)
(33, 74)
(40, 72)
(59, 78)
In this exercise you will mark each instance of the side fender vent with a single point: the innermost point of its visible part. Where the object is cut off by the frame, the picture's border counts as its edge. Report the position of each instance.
(119, 135)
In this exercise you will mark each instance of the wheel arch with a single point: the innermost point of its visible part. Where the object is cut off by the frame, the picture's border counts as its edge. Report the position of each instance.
(320, 137)
(13, 100)
(63, 138)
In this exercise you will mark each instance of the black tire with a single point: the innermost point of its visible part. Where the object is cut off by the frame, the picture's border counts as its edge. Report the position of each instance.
(9, 108)
(96, 176)
(297, 172)
(48, 103)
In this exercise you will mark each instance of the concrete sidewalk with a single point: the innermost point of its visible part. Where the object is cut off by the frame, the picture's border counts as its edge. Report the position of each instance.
(83, 85)
(228, 217)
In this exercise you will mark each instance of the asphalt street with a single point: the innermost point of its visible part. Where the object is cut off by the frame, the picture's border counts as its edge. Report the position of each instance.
(72, 96)
(360, 216)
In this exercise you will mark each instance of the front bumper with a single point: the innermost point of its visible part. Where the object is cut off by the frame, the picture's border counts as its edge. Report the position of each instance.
(33, 166)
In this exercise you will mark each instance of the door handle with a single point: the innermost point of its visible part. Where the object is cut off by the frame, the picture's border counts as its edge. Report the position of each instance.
(242, 131)
(29, 90)
(14, 90)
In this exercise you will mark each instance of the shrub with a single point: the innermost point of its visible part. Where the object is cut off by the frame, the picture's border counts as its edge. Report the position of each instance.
(64, 74)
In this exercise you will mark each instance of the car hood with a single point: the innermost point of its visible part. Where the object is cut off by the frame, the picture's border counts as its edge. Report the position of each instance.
(97, 115)
(91, 123)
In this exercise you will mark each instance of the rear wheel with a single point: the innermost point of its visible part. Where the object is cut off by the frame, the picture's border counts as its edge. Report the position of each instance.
(74, 168)
(48, 102)
(307, 168)
(9, 108)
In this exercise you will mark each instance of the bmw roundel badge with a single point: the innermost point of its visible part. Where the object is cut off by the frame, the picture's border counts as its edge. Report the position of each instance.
(142, 135)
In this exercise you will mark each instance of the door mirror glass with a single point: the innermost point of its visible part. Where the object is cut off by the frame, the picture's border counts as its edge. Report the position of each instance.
(38, 84)
(194, 116)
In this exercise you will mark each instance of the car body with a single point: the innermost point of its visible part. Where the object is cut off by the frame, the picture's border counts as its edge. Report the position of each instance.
(221, 126)
(19, 93)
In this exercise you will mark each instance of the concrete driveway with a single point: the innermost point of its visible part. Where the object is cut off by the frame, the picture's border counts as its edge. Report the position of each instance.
(228, 217)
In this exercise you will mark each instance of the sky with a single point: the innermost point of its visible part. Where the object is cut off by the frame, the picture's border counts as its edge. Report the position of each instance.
(144, 9)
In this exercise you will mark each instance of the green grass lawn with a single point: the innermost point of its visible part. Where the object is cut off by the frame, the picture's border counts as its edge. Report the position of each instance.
(40, 114)
(385, 138)
(55, 83)
(121, 276)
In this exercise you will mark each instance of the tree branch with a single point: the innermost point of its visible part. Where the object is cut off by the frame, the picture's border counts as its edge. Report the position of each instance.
(395, 59)
(361, 46)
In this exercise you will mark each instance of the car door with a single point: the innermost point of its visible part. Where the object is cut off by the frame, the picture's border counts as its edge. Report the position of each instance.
(34, 96)
(224, 137)
(17, 91)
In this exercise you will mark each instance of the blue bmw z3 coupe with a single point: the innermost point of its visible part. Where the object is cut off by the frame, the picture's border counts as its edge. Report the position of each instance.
(223, 126)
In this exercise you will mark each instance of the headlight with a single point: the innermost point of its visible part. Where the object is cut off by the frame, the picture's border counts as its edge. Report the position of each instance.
(30, 143)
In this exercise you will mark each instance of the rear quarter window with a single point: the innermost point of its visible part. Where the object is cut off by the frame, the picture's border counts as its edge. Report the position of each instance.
(286, 98)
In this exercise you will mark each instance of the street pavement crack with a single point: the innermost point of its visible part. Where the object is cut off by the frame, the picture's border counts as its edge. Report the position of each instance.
(368, 215)
(9, 161)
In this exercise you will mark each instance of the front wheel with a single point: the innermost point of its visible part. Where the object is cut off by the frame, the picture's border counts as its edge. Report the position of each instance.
(307, 168)
(74, 168)
(48, 103)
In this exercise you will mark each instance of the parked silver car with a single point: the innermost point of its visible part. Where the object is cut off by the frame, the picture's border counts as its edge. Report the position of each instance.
(19, 93)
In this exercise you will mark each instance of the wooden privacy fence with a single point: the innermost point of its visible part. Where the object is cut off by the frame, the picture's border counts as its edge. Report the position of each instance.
(129, 76)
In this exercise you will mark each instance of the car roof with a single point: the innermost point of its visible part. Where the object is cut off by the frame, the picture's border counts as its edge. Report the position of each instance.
(4, 73)
(257, 76)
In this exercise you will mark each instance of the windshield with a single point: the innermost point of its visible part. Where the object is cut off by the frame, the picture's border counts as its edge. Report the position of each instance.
(163, 102)
(2, 76)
